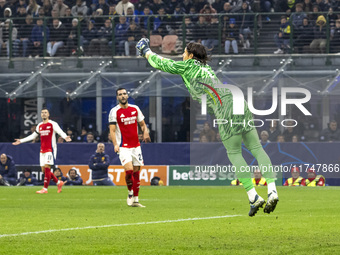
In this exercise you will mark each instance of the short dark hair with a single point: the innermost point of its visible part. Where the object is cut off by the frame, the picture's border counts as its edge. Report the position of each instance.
(44, 108)
(199, 52)
(118, 90)
(72, 169)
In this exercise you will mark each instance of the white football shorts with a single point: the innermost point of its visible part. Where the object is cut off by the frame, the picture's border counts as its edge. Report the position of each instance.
(133, 155)
(46, 159)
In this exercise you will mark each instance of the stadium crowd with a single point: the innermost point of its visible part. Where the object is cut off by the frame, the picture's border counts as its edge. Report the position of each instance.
(93, 27)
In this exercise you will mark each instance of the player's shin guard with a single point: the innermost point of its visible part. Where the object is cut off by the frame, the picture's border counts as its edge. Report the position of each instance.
(136, 183)
(129, 179)
(47, 177)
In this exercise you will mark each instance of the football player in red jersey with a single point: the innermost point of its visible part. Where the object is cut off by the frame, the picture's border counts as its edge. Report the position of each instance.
(48, 147)
(123, 120)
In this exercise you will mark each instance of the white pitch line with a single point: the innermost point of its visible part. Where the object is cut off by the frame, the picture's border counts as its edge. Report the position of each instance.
(118, 225)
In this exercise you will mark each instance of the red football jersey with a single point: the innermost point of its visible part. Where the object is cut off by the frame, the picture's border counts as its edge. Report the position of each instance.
(126, 125)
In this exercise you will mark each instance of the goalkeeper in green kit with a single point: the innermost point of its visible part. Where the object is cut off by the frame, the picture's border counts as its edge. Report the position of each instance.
(196, 75)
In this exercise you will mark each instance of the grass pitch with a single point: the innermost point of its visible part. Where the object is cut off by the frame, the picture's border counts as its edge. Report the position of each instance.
(96, 220)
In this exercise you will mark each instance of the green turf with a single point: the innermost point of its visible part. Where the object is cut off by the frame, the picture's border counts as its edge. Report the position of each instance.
(306, 221)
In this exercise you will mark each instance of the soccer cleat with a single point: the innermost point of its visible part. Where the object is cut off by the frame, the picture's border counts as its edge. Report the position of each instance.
(271, 203)
(60, 185)
(42, 191)
(129, 200)
(137, 204)
(254, 206)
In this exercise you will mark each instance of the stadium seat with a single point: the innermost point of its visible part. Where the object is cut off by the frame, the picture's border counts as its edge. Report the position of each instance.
(156, 43)
(169, 43)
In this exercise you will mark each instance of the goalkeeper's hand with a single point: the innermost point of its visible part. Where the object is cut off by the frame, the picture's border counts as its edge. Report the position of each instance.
(143, 46)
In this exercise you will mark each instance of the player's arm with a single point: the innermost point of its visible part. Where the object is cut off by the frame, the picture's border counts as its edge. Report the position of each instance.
(92, 164)
(113, 136)
(60, 132)
(26, 139)
(286, 183)
(144, 128)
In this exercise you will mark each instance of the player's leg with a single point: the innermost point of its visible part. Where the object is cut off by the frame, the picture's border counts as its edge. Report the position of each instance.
(46, 174)
(251, 141)
(128, 167)
(137, 161)
(234, 151)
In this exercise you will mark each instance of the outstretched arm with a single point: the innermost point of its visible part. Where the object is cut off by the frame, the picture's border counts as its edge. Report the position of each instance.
(26, 139)
(158, 62)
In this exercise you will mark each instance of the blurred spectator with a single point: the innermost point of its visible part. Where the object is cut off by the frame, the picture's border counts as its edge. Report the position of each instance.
(189, 28)
(162, 23)
(103, 6)
(318, 45)
(145, 19)
(27, 179)
(83, 135)
(201, 29)
(199, 4)
(331, 133)
(139, 6)
(186, 5)
(59, 174)
(60, 7)
(8, 173)
(98, 18)
(314, 180)
(121, 35)
(99, 164)
(280, 139)
(122, 7)
(73, 178)
(89, 34)
(155, 5)
(208, 132)
(273, 131)
(295, 139)
(218, 137)
(284, 5)
(245, 20)
(235, 182)
(58, 35)
(232, 37)
(307, 6)
(304, 36)
(130, 16)
(264, 137)
(258, 180)
(177, 18)
(208, 9)
(133, 36)
(314, 16)
(21, 17)
(193, 14)
(212, 37)
(90, 138)
(41, 13)
(296, 179)
(282, 39)
(72, 39)
(100, 45)
(7, 13)
(60, 140)
(335, 39)
(80, 7)
(297, 17)
(323, 4)
(37, 37)
(218, 5)
(289, 132)
(4, 36)
(33, 8)
(47, 8)
(332, 17)
(204, 139)
(18, 6)
(3, 6)
(71, 134)
(67, 20)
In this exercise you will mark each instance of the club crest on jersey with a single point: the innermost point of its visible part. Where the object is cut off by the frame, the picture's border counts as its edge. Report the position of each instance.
(48, 127)
(132, 113)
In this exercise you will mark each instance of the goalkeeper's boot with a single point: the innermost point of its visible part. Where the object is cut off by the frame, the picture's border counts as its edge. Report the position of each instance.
(42, 191)
(271, 203)
(255, 206)
(130, 198)
(137, 204)
(60, 185)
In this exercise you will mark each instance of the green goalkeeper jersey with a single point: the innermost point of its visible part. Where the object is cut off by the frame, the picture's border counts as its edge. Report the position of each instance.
(194, 74)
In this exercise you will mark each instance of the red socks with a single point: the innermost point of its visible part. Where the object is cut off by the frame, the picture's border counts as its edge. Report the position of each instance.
(129, 179)
(47, 177)
(136, 183)
(55, 179)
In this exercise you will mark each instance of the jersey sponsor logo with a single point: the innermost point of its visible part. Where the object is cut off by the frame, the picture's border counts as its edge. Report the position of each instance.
(132, 113)
(129, 120)
(122, 115)
(45, 132)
